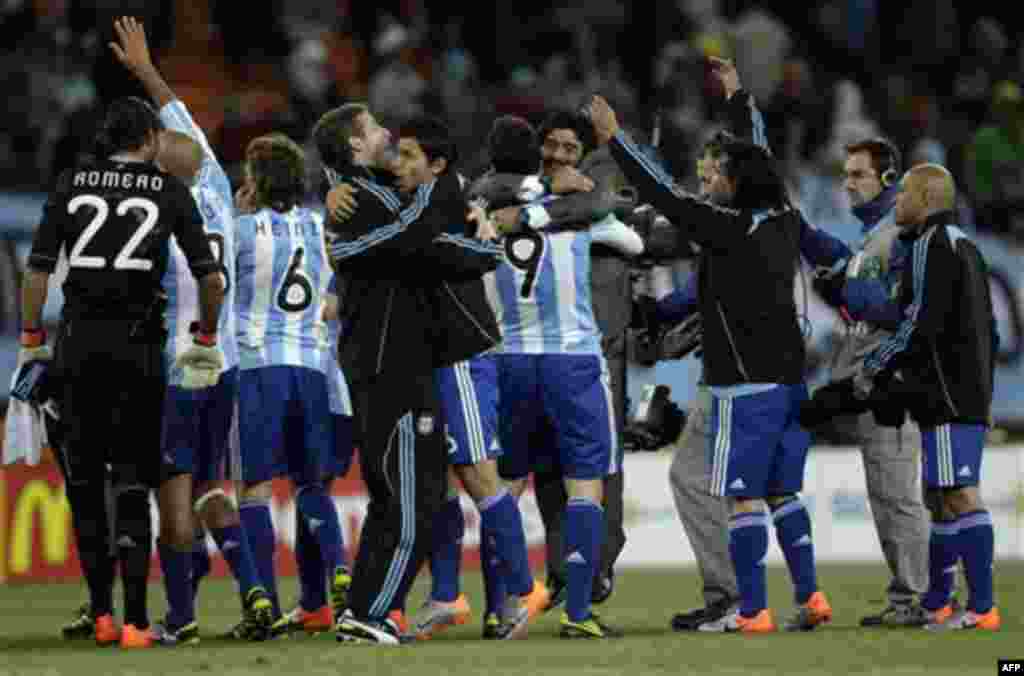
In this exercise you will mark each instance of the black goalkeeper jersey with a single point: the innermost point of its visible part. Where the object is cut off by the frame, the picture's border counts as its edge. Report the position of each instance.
(113, 220)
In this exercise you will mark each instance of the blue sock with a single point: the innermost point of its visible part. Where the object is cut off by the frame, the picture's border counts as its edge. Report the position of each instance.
(748, 545)
(176, 565)
(312, 576)
(500, 518)
(317, 508)
(943, 553)
(200, 563)
(977, 544)
(233, 543)
(446, 552)
(494, 577)
(584, 535)
(793, 530)
(259, 531)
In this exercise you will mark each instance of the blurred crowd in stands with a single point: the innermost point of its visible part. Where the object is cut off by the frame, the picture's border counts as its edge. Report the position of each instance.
(941, 78)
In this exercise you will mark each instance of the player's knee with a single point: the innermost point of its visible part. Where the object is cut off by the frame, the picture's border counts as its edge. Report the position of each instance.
(516, 487)
(741, 505)
(258, 491)
(588, 489)
(961, 500)
(935, 502)
(481, 480)
(777, 502)
(216, 508)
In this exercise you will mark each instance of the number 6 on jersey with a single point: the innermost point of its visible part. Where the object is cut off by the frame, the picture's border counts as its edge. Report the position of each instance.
(296, 292)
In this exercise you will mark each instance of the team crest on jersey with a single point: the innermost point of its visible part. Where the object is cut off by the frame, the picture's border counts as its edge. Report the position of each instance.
(425, 424)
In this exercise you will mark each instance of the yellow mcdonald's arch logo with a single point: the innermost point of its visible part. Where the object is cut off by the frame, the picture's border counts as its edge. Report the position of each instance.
(3, 526)
(38, 495)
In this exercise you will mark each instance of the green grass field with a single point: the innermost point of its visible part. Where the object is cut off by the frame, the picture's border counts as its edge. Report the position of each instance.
(642, 605)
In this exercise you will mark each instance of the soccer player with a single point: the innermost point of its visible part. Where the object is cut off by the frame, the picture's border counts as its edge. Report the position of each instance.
(284, 411)
(399, 325)
(114, 216)
(942, 360)
(704, 516)
(566, 138)
(754, 360)
(197, 422)
(554, 383)
(469, 398)
(312, 614)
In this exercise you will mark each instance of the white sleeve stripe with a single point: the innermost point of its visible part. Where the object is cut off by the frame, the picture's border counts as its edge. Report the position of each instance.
(385, 196)
(645, 162)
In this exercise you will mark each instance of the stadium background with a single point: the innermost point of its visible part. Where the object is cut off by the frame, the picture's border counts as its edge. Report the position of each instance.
(939, 77)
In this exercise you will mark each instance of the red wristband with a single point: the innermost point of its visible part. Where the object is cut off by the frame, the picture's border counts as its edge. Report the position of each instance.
(33, 337)
(205, 339)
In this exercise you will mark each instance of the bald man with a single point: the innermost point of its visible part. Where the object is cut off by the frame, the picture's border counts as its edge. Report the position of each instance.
(199, 413)
(939, 365)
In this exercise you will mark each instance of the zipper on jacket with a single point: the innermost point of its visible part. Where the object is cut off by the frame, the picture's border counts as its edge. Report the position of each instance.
(732, 343)
(942, 381)
(384, 331)
(469, 315)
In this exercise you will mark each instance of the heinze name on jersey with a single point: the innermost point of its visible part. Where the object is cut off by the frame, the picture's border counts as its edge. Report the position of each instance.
(287, 228)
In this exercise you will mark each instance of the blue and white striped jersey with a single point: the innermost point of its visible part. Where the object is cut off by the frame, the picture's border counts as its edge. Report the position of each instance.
(213, 195)
(541, 293)
(337, 387)
(282, 276)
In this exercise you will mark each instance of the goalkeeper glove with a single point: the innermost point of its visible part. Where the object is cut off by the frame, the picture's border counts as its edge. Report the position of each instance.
(201, 364)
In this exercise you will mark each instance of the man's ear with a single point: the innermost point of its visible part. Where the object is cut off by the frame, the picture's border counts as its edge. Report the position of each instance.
(355, 143)
(438, 166)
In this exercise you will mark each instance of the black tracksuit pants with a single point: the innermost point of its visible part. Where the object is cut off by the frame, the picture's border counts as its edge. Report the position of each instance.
(404, 462)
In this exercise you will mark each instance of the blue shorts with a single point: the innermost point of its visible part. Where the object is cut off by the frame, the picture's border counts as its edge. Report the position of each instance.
(757, 447)
(197, 428)
(340, 459)
(952, 455)
(555, 410)
(284, 424)
(469, 399)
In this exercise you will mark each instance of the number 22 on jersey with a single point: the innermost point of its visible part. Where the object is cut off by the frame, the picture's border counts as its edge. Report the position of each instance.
(124, 259)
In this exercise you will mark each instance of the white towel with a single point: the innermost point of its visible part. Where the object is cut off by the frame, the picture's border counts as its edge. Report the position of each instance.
(24, 433)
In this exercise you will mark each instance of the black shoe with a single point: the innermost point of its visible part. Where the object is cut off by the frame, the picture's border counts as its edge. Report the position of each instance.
(83, 626)
(691, 620)
(604, 585)
(558, 590)
(897, 615)
(385, 632)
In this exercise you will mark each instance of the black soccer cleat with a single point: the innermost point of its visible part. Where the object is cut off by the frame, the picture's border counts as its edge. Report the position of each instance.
(82, 627)
(351, 630)
(691, 620)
